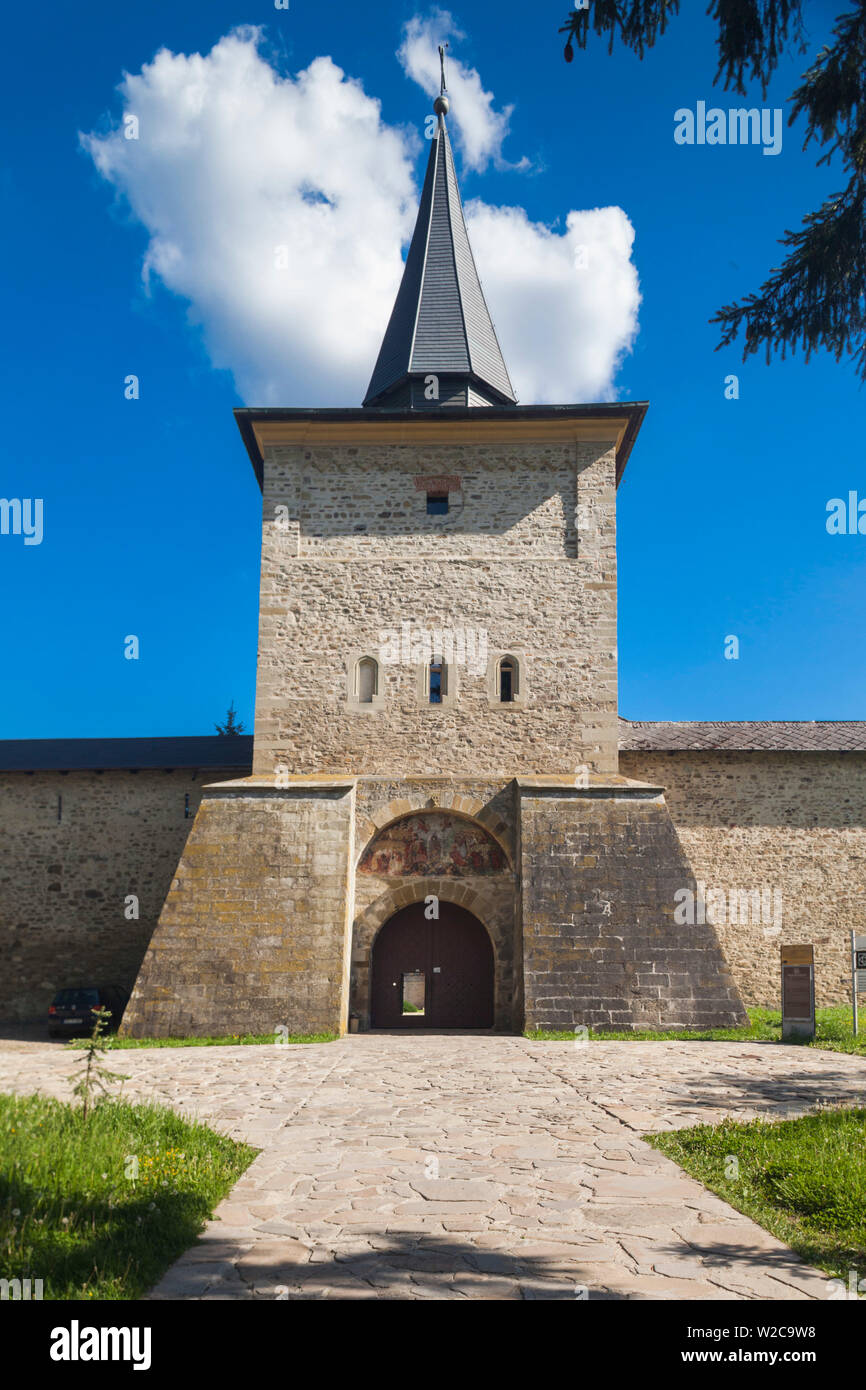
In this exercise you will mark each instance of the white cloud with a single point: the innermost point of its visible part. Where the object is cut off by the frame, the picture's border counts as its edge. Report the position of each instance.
(565, 306)
(277, 208)
(478, 129)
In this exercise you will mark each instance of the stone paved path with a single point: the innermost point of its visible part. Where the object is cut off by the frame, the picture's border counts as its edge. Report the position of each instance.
(473, 1166)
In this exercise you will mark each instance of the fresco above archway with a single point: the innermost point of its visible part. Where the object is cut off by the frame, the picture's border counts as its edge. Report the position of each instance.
(434, 845)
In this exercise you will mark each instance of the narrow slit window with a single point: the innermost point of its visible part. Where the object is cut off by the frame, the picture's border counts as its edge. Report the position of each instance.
(438, 684)
(368, 680)
(437, 503)
(507, 680)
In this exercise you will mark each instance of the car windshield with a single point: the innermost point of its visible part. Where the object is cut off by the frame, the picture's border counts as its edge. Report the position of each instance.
(76, 998)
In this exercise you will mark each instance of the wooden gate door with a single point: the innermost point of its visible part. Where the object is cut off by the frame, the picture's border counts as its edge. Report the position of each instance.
(432, 973)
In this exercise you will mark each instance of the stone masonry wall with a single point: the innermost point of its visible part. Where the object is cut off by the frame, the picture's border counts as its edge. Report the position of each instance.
(254, 934)
(600, 944)
(795, 822)
(792, 821)
(63, 884)
(526, 556)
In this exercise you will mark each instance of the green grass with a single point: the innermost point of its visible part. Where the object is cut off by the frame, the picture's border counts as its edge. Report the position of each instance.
(834, 1032)
(804, 1180)
(115, 1043)
(72, 1211)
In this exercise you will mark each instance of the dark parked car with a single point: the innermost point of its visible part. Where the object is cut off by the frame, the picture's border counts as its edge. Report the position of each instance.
(71, 1010)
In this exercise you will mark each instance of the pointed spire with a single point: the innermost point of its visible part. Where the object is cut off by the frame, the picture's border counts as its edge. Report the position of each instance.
(440, 347)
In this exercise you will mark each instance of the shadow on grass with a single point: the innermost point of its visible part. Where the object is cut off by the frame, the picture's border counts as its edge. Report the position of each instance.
(112, 1252)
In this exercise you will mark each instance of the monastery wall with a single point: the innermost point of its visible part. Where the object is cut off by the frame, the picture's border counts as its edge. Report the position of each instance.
(792, 823)
(64, 882)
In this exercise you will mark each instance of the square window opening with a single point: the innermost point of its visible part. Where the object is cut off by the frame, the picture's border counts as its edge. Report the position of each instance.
(437, 503)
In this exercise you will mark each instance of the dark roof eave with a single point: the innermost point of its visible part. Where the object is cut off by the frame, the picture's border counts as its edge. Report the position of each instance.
(196, 751)
(246, 417)
(472, 379)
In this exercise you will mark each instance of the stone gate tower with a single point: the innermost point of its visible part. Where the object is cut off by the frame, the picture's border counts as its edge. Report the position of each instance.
(435, 832)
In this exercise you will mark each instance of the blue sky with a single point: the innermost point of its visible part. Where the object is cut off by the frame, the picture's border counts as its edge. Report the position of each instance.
(151, 507)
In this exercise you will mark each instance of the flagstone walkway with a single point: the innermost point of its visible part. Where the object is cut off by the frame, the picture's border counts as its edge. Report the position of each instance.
(473, 1166)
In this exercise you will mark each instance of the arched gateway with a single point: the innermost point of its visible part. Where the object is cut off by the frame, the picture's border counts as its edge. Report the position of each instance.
(432, 972)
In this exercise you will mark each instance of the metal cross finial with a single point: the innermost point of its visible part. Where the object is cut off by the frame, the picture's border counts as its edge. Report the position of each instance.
(443, 88)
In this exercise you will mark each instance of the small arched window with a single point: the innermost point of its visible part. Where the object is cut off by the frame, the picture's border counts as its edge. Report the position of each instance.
(438, 682)
(509, 676)
(367, 682)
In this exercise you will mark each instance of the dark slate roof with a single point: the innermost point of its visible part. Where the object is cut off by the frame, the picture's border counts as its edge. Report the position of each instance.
(772, 736)
(440, 322)
(96, 754)
(213, 751)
